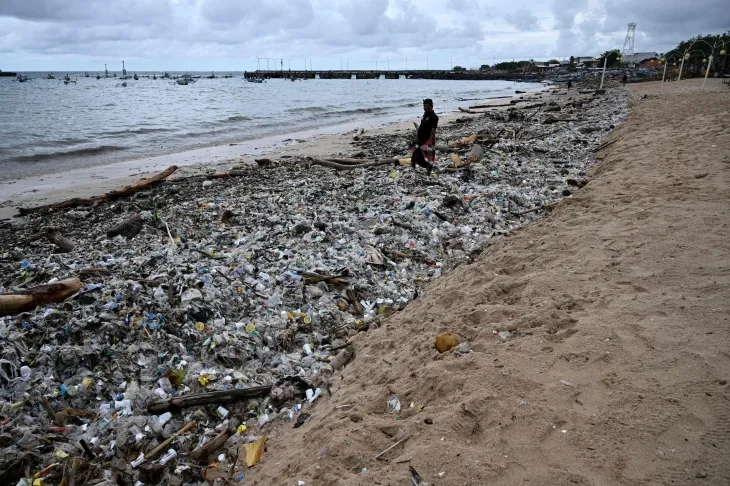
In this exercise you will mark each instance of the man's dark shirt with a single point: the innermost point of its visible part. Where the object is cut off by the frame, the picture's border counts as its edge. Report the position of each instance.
(428, 122)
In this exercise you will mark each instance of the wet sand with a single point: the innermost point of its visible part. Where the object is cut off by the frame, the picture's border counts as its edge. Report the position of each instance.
(617, 367)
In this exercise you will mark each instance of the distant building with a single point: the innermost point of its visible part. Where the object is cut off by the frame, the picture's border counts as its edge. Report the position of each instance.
(639, 57)
(584, 59)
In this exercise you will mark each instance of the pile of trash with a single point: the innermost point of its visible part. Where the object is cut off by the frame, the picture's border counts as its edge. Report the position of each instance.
(182, 321)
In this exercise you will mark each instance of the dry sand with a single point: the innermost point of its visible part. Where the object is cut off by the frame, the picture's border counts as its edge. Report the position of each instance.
(619, 304)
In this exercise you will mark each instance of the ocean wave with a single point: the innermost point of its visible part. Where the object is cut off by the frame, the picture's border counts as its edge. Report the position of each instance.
(307, 109)
(233, 119)
(136, 131)
(79, 152)
(355, 111)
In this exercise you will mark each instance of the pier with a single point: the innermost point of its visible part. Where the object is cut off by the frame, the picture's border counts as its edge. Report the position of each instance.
(394, 74)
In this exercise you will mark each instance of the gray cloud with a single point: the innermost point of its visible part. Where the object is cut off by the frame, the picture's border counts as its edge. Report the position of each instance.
(232, 33)
(522, 19)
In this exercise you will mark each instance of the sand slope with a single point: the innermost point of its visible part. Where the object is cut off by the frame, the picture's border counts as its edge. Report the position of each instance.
(619, 304)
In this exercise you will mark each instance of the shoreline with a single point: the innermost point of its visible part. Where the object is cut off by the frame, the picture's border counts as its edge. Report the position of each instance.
(55, 186)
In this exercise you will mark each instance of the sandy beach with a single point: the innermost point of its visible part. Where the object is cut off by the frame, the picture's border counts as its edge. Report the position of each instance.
(616, 368)
(580, 258)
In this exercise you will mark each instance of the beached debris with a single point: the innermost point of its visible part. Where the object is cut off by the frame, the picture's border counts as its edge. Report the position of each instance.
(261, 297)
(24, 300)
(63, 243)
(109, 196)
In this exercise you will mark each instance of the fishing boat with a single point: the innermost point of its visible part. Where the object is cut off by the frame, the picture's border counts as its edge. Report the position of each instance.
(86, 75)
(106, 72)
(212, 76)
(98, 76)
(50, 76)
(69, 81)
(136, 77)
(255, 80)
(66, 79)
(21, 78)
(185, 79)
(124, 72)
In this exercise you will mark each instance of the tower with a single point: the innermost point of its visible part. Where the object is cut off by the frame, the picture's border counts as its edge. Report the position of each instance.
(629, 42)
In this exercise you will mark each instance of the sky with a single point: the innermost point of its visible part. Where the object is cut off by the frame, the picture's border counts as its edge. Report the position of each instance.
(229, 35)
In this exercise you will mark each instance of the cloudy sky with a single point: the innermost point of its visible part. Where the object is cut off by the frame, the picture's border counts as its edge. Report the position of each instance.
(68, 35)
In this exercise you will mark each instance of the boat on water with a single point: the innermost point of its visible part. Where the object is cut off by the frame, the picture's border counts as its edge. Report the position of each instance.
(185, 79)
(212, 76)
(255, 80)
(136, 77)
(86, 75)
(50, 76)
(106, 72)
(21, 78)
(66, 79)
(98, 76)
(6, 74)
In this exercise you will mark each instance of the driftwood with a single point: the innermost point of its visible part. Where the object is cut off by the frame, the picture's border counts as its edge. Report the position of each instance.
(211, 176)
(109, 196)
(313, 278)
(355, 302)
(470, 112)
(163, 445)
(52, 413)
(334, 165)
(341, 360)
(60, 241)
(393, 446)
(216, 397)
(29, 299)
(202, 452)
(547, 207)
(604, 145)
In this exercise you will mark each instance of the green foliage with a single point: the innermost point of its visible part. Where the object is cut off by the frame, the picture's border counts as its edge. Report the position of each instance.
(700, 47)
(484, 67)
(612, 58)
(513, 65)
(553, 61)
(572, 60)
(459, 69)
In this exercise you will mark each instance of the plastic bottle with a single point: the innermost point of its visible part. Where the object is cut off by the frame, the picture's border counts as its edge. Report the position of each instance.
(171, 454)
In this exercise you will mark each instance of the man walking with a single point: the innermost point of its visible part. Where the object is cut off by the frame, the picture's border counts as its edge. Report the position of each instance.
(424, 154)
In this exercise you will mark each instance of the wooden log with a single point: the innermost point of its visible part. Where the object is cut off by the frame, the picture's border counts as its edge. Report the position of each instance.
(313, 278)
(29, 299)
(347, 161)
(202, 452)
(55, 418)
(59, 240)
(344, 357)
(464, 110)
(109, 196)
(539, 208)
(163, 445)
(355, 302)
(333, 165)
(604, 145)
(392, 447)
(88, 272)
(217, 397)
